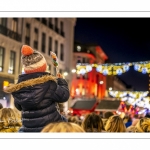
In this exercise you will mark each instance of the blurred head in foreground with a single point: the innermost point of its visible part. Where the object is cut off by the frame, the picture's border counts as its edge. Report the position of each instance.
(62, 127)
(9, 121)
(93, 123)
(131, 129)
(143, 125)
(115, 124)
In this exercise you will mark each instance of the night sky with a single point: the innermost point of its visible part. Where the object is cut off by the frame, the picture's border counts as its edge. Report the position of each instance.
(122, 40)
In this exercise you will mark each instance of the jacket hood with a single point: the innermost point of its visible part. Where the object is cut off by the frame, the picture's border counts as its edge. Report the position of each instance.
(31, 82)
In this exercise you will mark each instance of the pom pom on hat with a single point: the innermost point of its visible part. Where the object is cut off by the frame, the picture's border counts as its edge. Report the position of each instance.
(26, 50)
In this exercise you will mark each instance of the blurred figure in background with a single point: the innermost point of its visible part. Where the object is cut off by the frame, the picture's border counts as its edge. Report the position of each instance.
(115, 124)
(62, 127)
(106, 115)
(61, 109)
(93, 123)
(74, 119)
(1, 106)
(135, 119)
(127, 121)
(143, 125)
(9, 121)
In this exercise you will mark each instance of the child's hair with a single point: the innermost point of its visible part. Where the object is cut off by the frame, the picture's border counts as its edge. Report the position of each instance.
(143, 125)
(115, 124)
(62, 127)
(9, 121)
(93, 123)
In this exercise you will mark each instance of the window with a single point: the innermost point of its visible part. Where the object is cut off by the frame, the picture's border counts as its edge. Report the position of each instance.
(35, 38)
(3, 22)
(60, 71)
(12, 62)
(50, 23)
(62, 52)
(85, 76)
(83, 60)
(14, 24)
(54, 71)
(79, 59)
(56, 47)
(56, 25)
(49, 45)
(27, 34)
(56, 22)
(48, 68)
(1, 58)
(37, 19)
(62, 28)
(43, 42)
(44, 21)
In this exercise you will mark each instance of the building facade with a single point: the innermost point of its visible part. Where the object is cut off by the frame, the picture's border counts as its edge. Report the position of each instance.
(91, 84)
(43, 35)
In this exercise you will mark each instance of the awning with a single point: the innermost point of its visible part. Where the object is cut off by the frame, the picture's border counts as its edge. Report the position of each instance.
(84, 104)
(108, 105)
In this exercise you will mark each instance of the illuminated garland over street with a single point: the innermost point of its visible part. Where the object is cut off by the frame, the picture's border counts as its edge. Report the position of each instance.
(134, 98)
(115, 68)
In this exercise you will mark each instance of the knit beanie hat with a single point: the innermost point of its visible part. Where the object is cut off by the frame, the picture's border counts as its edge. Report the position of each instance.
(33, 61)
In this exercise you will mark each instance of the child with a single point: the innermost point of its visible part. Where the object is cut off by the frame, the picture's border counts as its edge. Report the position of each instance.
(37, 92)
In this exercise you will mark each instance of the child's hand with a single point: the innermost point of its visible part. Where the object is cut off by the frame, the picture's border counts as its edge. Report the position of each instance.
(59, 75)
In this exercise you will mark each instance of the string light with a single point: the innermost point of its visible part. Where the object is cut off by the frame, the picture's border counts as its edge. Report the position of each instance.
(115, 68)
(134, 98)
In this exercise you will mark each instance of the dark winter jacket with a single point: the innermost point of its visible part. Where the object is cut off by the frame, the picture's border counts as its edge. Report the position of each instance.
(37, 95)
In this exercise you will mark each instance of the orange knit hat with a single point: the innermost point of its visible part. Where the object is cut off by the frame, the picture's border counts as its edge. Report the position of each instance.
(33, 61)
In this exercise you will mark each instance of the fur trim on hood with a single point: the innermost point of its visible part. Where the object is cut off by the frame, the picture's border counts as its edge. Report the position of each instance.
(16, 87)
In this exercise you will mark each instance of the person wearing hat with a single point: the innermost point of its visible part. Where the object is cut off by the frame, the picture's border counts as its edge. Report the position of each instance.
(37, 92)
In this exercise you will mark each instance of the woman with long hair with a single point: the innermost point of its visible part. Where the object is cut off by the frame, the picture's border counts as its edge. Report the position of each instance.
(115, 124)
(9, 121)
(93, 123)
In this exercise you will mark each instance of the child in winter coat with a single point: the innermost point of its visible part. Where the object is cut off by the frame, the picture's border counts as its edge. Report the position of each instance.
(37, 92)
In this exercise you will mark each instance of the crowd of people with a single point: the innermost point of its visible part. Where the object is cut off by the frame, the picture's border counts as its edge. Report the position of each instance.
(38, 100)
(11, 121)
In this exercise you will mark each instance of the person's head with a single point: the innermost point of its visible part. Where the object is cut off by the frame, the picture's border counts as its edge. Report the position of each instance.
(104, 121)
(73, 119)
(32, 60)
(143, 125)
(62, 127)
(1, 106)
(61, 107)
(108, 114)
(127, 119)
(93, 123)
(115, 124)
(9, 121)
(136, 116)
(131, 129)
